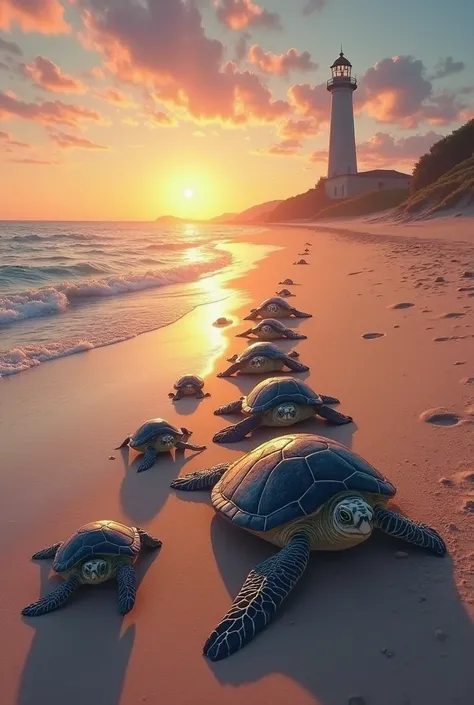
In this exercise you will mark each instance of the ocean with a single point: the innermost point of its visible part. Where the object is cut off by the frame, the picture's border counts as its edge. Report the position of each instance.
(70, 287)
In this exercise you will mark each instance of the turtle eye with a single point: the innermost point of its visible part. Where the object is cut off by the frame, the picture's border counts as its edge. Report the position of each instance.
(345, 516)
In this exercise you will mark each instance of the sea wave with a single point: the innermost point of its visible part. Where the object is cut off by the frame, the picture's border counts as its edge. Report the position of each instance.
(22, 358)
(54, 300)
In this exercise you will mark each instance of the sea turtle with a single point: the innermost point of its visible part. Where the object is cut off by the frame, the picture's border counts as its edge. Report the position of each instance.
(308, 243)
(157, 436)
(276, 307)
(280, 402)
(189, 386)
(284, 292)
(305, 252)
(271, 329)
(301, 493)
(301, 261)
(260, 358)
(288, 282)
(95, 553)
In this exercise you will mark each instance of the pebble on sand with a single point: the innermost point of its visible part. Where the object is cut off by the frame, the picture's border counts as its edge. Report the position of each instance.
(400, 554)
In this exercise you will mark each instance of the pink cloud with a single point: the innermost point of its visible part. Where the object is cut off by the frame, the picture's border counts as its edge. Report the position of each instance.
(280, 64)
(313, 5)
(114, 96)
(286, 148)
(68, 141)
(447, 67)
(39, 162)
(239, 14)
(299, 129)
(7, 139)
(150, 45)
(160, 118)
(311, 101)
(48, 75)
(11, 48)
(45, 16)
(48, 112)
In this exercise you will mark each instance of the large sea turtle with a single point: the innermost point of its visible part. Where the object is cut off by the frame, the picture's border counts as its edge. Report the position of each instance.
(280, 402)
(271, 329)
(301, 493)
(275, 307)
(157, 436)
(188, 386)
(260, 358)
(96, 552)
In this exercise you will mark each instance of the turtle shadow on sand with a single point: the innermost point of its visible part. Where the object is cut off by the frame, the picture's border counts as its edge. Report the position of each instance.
(142, 495)
(360, 621)
(187, 406)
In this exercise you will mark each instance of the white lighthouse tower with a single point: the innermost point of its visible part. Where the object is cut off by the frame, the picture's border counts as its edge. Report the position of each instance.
(342, 147)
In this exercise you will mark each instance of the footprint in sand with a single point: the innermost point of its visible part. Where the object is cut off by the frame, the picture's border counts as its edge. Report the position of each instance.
(468, 506)
(352, 274)
(373, 336)
(402, 304)
(452, 314)
(440, 417)
(468, 380)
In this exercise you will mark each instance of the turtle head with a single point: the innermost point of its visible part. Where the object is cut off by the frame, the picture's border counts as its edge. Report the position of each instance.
(95, 570)
(353, 515)
(166, 441)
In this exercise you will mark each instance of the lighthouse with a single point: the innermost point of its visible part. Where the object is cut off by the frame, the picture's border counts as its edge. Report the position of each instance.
(342, 147)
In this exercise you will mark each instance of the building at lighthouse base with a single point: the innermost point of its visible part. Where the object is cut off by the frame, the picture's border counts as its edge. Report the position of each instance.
(351, 185)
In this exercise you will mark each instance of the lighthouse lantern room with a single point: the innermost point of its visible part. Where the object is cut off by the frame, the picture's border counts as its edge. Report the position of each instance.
(342, 147)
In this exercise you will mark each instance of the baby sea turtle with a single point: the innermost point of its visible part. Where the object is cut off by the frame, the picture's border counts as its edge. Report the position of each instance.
(288, 282)
(275, 307)
(261, 358)
(305, 252)
(301, 493)
(157, 436)
(277, 402)
(271, 329)
(285, 293)
(96, 552)
(189, 386)
(301, 261)
(308, 243)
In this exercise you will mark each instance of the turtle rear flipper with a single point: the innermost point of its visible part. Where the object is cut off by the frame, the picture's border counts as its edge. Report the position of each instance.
(55, 599)
(49, 552)
(124, 443)
(410, 531)
(233, 434)
(332, 416)
(295, 366)
(235, 407)
(200, 480)
(301, 314)
(127, 587)
(147, 540)
(148, 459)
(264, 590)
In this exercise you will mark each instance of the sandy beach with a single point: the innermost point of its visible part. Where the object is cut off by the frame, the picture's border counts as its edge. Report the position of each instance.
(392, 335)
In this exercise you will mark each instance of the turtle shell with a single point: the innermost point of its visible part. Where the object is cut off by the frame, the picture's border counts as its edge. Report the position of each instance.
(267, 349)
(276, 300)
(105, 538)
(276, 390)
(151, 429)
(292, 477)
(195, 380)
(272, 322)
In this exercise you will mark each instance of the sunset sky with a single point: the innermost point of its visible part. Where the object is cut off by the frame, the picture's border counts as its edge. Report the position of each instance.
(113, 109)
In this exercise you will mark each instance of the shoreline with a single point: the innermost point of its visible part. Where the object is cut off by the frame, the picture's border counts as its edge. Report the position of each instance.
(60, 423)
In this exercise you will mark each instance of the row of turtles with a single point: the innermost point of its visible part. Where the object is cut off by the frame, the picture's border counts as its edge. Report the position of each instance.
(300, 492)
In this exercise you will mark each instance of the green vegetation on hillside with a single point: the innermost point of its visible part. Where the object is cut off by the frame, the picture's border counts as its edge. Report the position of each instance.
(305, 205)
(443, 156)
(364, 204)
(456, 187)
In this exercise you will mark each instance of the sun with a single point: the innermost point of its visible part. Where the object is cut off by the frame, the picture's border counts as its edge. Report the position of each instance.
(188, 193)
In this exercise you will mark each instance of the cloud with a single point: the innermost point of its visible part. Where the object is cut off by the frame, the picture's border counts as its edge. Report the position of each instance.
(68, 141)
(446, 67)
(280, 64)
(286, 148)
(150, 44)
(39, 162)
(239, 14)
(48, 75)
(241, 48)
(45, 16)
(114, 96)
(311, 101)
(396, 90)
(11, 48)
(299, 129)
(160, 118)
(48, 112)
(313, 5)
(7, 139)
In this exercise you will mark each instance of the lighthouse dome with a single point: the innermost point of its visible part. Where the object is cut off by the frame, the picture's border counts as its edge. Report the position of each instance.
(341, 61)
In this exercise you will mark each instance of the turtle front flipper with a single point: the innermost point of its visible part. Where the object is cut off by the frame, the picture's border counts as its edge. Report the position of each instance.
(55, 599)
(124, 443)
(410, 531)
(234, 407)
(200, 480)
(127, 587)
(233, 434)
(181, 445)
(301, 314)
(148, 459)
(177, 395)
(229, 371)
(261, 595)
(245, 334)
(332, 416)
(49, 552)
(329, 400)
(147, 540)
(253, 315)
(294, 365)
